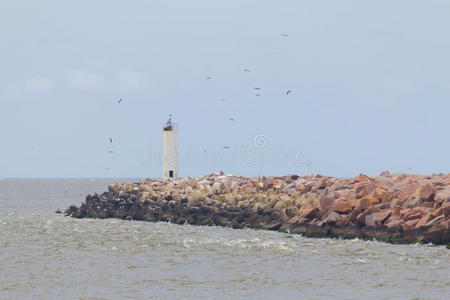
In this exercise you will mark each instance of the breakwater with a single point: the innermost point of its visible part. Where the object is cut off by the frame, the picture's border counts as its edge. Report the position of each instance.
(397, 208)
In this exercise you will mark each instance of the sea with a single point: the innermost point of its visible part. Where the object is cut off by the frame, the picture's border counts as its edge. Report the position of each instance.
(45, 255)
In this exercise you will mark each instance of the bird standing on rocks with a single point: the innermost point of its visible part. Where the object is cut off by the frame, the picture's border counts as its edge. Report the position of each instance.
(288, 92)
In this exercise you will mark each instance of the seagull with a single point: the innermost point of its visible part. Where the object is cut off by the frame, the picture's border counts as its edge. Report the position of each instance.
(226, 147)
(111, 151)
(288, 92)
(257, 94)
(247, 70)
(120, 100)
(231, 119)
(208, 77)
(110, 140)
(257, 88)
(223, 99)
(284, 35)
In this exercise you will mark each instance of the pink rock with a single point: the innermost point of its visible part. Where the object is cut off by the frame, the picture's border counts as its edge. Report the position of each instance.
(424, 220)
(326, 202)
(308, 212)
(365, 189)
(404, 190)
(443, 210)
(362, 217)
(427, 192)
(409, 225)
(342, 206)
(362, 178)
(394, 224)
(443, 195)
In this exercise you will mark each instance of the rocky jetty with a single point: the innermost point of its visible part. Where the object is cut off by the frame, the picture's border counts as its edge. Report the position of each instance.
(397, 208)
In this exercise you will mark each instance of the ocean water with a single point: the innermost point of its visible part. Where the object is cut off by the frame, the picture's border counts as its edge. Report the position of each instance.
(44, 255)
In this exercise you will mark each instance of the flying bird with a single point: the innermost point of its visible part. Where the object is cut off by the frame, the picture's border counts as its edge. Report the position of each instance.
(284, 35)
(223, 99)
(208, 77)
(288, 92)
(110, 140)
(247, 70)
(231, 119)
(120, 100)
(226, 147)
(257, 88)
(111, 151)
(257, 94)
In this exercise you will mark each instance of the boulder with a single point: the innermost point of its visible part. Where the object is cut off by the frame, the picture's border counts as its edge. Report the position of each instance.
(404, 190)
(308, 212)
(409, 225)
(377, 219)
(412, 202)
(362, 216)
(435, 221)
(380, 193)
(327, 202)
(443, 210)
(368, 201)
(396, 210)
(424, 220)
(427, 192)
(443, 195)
(331, 218)
(394, 224)
(445, 225)
(342, 206)
(365, 189)
(362, 178)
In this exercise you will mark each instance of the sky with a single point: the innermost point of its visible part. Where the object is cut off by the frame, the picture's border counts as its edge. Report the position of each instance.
(370, 84)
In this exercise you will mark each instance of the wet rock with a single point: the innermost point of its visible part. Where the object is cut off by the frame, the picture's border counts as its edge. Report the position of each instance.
(424, 220)
(331, 218)
(394, 224)
(409, 225)
(362, 217)
(308, 212)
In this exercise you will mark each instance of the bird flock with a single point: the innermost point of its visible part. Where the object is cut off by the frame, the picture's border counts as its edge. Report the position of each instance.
(258, 91)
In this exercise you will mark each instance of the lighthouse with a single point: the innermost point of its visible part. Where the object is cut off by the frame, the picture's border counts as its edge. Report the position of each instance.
(170, 150)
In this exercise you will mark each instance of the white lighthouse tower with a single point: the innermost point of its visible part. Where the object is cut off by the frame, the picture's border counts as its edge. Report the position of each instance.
(170, 150)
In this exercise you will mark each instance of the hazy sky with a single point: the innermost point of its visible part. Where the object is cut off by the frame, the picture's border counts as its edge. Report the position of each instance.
(370, 85)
